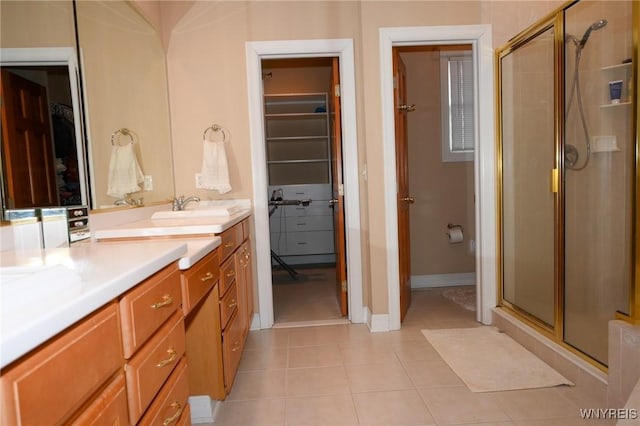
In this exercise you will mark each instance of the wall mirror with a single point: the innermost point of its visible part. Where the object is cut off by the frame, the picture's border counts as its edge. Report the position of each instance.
(124, 85)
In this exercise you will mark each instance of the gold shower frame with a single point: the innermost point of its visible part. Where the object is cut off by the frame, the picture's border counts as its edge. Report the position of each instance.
(555, 331)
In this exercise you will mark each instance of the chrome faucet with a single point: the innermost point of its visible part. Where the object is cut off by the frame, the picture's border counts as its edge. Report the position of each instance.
(180, 202)
(128, 201)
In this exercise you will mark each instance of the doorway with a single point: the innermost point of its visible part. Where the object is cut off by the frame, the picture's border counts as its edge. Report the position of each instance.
(343, 50)
(479, 37)
(434, 124)
(302, 143)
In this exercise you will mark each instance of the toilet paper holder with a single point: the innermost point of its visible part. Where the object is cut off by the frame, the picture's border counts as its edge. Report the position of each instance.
(451, 226)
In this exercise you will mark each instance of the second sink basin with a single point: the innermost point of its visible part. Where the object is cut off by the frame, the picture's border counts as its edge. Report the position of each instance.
(199, 210)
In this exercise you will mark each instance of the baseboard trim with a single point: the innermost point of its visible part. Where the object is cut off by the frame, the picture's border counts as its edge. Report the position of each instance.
(376, 322)
(202, 409)
(443, 280)
(255, 322)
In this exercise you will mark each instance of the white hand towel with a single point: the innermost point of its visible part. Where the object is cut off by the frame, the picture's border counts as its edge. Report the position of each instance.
(124, 171)
(215, 170)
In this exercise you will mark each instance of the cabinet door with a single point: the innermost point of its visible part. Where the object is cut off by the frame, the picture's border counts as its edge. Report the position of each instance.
(53, 381)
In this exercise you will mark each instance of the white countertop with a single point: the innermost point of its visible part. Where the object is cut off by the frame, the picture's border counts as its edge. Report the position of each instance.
(172, 227)
(45, 291)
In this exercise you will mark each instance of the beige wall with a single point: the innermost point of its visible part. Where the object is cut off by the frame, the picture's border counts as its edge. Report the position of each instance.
(207, 80)
(53, 20)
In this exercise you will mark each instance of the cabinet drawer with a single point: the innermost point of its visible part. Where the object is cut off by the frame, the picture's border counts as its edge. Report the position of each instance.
(53, 381)
(108, 409)
(320, 191)
(232, 345)
(228, 305)
(198, 280)
(227, 275)
(171, 406)
(315, 208)
(152, 364)
(298, 224)
(313, 242)
(147, 306)
(231, 239)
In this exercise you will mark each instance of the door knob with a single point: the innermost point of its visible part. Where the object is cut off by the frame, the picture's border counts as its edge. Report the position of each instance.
(332, 202)
(407, 108)
(409, 200)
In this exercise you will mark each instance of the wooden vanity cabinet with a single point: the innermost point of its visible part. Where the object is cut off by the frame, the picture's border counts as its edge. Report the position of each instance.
(56, 381)
(217, 326)
(154, 341)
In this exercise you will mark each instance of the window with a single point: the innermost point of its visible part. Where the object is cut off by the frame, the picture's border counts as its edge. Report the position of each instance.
(456, 75)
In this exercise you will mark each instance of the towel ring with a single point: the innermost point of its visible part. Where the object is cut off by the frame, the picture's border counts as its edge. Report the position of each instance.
(215, 128)
(115, 136)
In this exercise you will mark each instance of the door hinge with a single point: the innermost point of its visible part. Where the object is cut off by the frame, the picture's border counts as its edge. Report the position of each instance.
(395, 82)
(343, 286)
(336, 90)
(554, 180)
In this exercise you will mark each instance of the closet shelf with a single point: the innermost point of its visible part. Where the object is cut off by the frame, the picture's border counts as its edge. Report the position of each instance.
(306, 160)
(616, 66)
(296, 138)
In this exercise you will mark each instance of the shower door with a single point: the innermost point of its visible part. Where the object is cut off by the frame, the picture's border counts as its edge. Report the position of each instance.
(529, 190)
(599, 172)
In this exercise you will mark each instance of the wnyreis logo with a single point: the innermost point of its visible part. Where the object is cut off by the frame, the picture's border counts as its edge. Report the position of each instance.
(609, 413)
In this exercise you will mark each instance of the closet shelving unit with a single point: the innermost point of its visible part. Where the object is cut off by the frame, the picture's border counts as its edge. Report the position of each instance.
(298, 148)
(297, 138)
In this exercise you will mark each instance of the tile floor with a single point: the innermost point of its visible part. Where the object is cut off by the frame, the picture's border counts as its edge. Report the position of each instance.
(310, 297)
(345, 375)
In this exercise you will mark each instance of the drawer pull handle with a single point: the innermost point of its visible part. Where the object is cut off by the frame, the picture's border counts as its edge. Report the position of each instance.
(176, 406)
(172, 357)
(208, 276)
(230, 244)
(302, 244)
(233, 304)
(166, 301)
(301, 224)
(236, 347)
(230, 274)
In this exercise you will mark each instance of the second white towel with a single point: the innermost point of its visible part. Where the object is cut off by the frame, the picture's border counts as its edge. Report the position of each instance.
(215, 169)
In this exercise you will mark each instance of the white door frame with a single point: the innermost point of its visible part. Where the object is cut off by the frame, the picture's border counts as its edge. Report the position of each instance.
(479, 36)
(60, 56)
(343, 49)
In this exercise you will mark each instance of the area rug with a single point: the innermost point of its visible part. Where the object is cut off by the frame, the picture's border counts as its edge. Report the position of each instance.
(464, 296)
(487, 360)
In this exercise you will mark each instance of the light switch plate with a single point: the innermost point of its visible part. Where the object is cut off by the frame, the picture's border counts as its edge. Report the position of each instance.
(198, 180)
(148, 183)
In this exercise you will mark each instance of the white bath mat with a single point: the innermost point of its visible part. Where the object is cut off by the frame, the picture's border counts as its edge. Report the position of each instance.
(487, 360)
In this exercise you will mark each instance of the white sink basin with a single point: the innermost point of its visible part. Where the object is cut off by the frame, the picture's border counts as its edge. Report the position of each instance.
(199, 210)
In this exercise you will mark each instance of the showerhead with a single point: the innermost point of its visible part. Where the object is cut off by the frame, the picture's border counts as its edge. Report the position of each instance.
(594, 27)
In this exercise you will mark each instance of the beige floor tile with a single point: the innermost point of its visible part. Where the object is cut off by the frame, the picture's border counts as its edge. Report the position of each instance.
(262, 412)
(432, 373)
(316, 336)
(392, 408)
(260, 384)
(367, 354)
(530, 404)
(331, 410)
(314, 356)
(566, 421)
(415, 350)
(263, 359)
(458, 405)
(317, 381)
(378, 377)
(267, 339)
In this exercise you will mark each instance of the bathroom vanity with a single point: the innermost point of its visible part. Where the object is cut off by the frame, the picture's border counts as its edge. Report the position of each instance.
(147, 321)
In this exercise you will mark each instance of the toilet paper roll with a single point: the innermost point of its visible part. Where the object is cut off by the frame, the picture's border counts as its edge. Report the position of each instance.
(455, 234)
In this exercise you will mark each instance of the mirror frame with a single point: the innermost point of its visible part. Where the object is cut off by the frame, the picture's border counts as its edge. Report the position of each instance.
(60, 56)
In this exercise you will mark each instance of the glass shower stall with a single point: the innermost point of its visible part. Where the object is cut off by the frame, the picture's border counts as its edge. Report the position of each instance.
(568, 172)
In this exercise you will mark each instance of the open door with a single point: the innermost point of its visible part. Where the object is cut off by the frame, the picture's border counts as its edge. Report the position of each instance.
(27, 143)
(337, 201)
(404, 200)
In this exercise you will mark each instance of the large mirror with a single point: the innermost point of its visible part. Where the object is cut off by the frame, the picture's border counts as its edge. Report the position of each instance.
(124, 85)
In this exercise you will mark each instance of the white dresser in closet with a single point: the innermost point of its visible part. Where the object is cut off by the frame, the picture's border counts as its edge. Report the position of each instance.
(303, 234)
